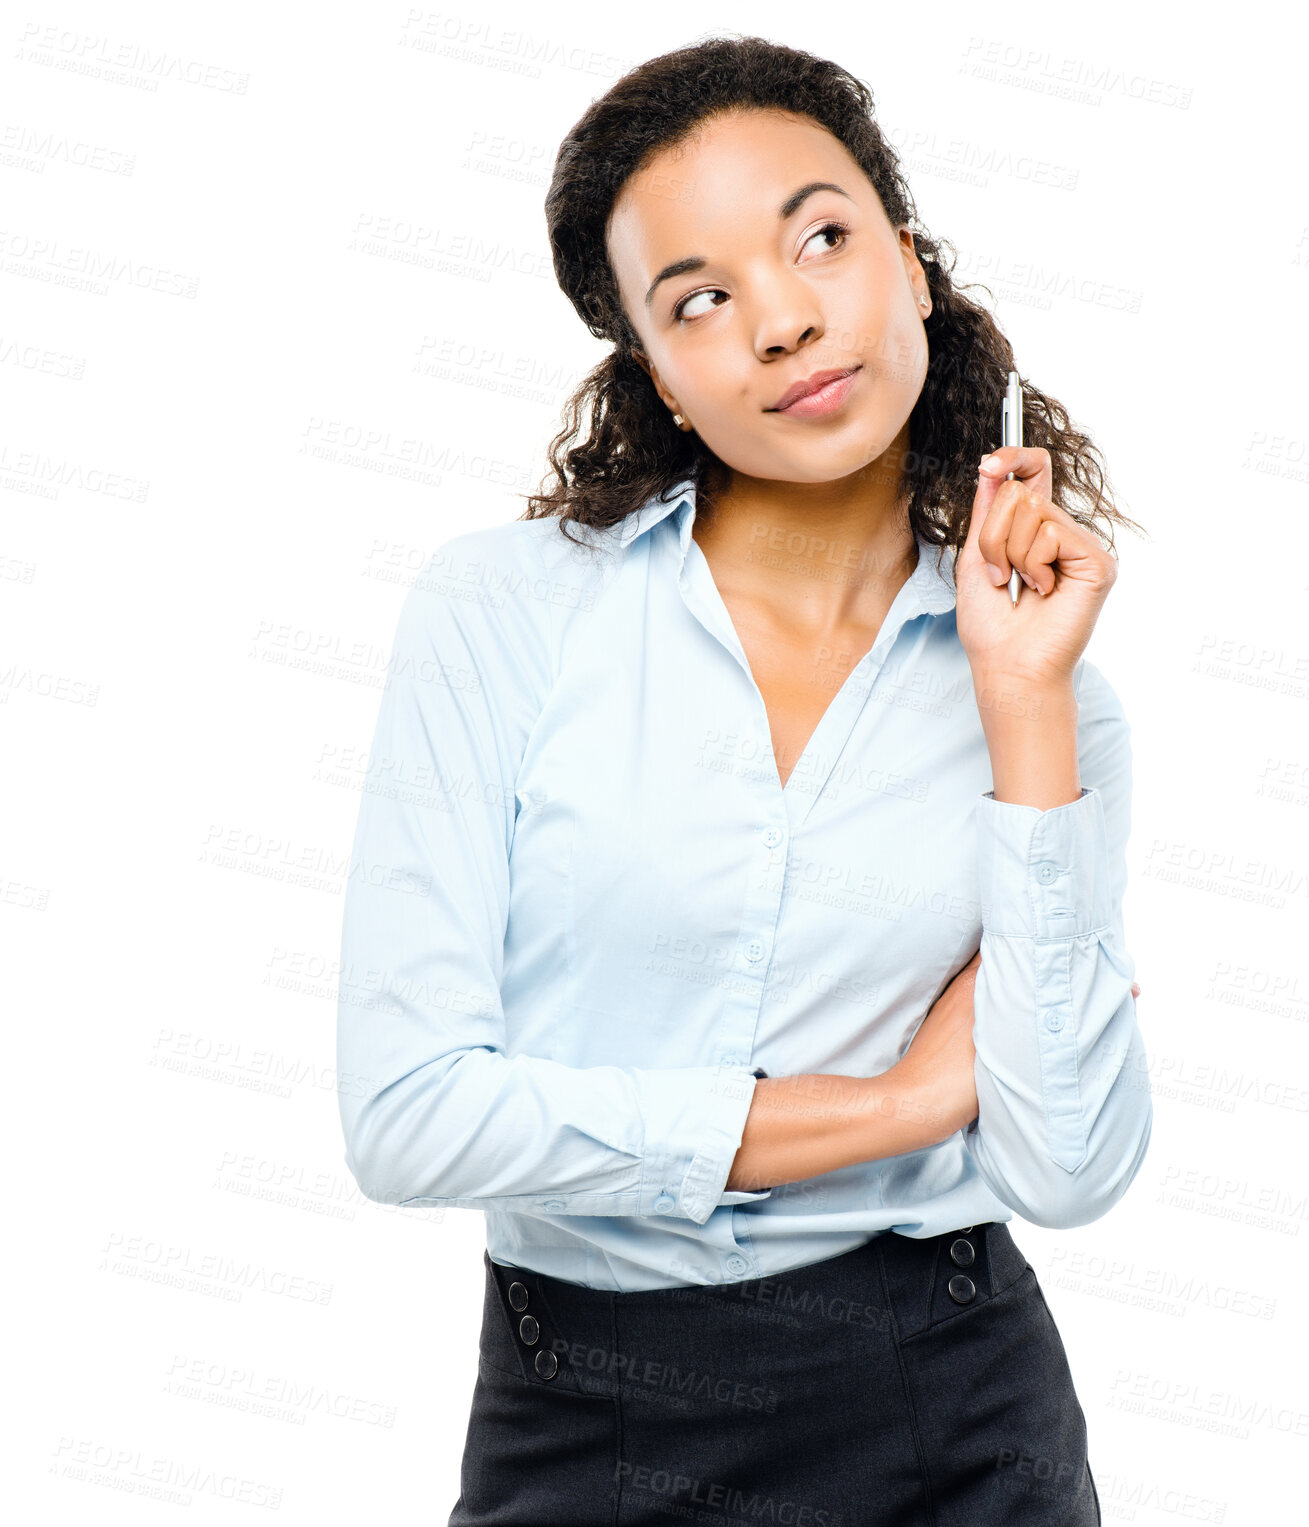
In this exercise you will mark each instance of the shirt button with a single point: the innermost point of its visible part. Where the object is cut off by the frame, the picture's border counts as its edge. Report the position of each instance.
(736, 1264)
(1046, 872)
(663, 1204)
(772, 837)
(553, 1205)
(754, 950)
(732, 1060)
(1054, 1021)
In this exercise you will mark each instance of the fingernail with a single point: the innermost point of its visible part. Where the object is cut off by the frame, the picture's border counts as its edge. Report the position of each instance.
(995, 575)
(987, 464)
(1027, 580)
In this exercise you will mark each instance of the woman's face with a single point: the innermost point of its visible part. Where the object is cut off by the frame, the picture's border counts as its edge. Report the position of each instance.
(773, 299)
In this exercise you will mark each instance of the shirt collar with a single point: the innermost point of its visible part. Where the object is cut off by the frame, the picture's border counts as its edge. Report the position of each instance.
(929, 590)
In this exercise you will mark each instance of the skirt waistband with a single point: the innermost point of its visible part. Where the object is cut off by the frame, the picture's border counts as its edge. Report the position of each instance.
(565, 1335)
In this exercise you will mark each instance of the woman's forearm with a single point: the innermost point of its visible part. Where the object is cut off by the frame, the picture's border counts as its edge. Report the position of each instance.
(1032, 740)
(802, 1126)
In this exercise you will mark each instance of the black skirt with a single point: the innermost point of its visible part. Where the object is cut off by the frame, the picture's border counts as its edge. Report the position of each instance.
(906, 1382)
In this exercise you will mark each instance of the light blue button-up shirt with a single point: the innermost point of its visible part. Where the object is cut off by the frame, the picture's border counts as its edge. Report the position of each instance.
(582, 912)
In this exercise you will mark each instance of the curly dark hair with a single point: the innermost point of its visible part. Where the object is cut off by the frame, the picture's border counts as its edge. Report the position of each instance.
(632, 449)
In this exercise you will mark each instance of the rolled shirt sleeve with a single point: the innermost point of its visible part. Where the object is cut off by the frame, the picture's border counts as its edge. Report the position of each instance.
(1064, 1107)
(433, 1108)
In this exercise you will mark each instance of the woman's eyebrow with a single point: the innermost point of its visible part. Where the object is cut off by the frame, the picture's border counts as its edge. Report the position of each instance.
(788, 209)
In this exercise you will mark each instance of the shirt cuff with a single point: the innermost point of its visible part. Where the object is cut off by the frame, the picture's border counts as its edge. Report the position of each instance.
(1044, 874)
(694, 1119)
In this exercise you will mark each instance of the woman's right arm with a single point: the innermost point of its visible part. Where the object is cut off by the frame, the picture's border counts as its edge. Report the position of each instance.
(434, 1109)
(801, 1126)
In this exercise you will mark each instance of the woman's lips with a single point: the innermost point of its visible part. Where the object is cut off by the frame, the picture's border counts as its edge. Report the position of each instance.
(825, 401)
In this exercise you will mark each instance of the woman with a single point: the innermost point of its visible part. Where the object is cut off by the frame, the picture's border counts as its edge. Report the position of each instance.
(742, 871)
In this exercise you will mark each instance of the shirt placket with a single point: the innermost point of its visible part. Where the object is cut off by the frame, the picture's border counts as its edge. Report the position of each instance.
(779, 812)
(743, 994)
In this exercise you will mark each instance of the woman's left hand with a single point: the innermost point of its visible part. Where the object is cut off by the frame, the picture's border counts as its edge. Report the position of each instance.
(1014, 524)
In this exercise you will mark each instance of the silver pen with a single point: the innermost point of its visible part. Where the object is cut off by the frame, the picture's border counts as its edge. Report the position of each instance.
(1011, 433)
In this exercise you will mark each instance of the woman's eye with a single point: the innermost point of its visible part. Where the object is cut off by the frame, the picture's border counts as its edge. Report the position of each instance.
(826, 228)
(680, 309)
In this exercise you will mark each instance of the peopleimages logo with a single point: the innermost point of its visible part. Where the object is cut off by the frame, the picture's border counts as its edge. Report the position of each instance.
(687, 1490)
(636, 1370)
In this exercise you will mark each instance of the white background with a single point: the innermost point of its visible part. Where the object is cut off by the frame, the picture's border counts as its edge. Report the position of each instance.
(222, 460)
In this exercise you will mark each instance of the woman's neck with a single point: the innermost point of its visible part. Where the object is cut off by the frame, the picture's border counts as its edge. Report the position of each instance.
(817, 556)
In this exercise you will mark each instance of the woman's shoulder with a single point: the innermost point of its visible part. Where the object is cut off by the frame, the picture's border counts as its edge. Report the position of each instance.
(503, 591)
(517, 554)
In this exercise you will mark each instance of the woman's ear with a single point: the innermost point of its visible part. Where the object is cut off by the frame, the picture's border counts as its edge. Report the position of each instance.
(913, 266)
(664, 396)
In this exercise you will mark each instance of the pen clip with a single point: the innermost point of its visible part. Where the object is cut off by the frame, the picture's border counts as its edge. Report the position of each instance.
(1011, 413)
(1011, 433)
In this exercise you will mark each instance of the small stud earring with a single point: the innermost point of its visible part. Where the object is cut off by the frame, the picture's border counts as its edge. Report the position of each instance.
(923, 301)
(678, 420)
